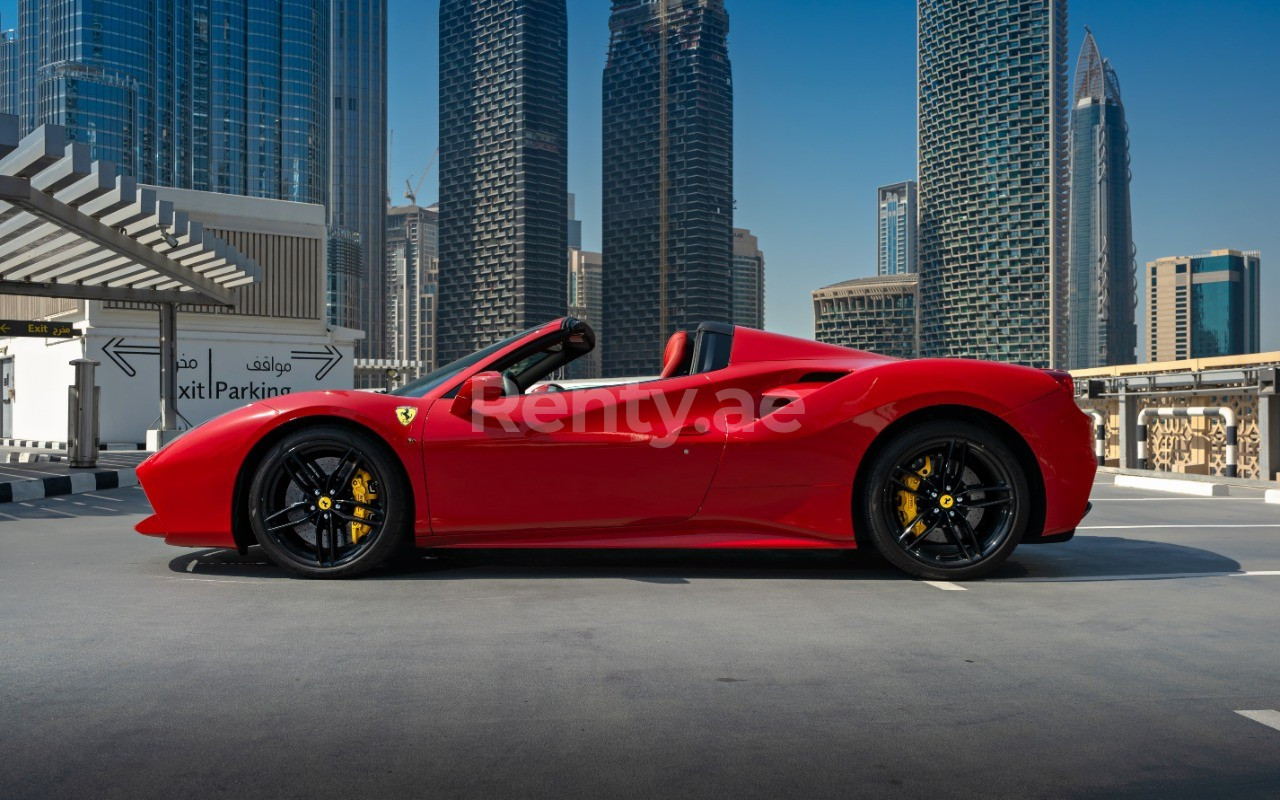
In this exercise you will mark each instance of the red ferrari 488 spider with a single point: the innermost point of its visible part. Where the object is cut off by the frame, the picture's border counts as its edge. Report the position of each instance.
(746, 439)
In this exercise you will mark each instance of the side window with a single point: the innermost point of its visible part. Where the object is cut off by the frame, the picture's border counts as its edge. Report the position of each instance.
(712, 349)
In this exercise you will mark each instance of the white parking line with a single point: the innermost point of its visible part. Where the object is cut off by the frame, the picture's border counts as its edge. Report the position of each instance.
(946, 586)
(1165, 499)
(1141, 577)
(1201, 525)
(1268, 717)
(191, 566)
(103, 497)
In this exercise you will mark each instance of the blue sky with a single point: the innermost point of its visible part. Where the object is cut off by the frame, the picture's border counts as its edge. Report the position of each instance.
(825, 112)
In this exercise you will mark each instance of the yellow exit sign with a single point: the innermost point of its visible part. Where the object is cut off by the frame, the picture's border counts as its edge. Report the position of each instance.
(26, 327)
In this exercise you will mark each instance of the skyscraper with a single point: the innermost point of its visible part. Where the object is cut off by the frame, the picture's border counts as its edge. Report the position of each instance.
(574, 235)
(667, 176)
(896, 229)
(1203, 306)
(1103, 281)
(358, 155)
(586, 284)
(227, 96)
(412, 266)
(993, 178)
(747, 280)
(503, 169)
(9, 72)
(344, 259)
(878, 314)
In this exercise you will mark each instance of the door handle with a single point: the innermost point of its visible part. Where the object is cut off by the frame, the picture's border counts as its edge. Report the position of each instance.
(694, 428)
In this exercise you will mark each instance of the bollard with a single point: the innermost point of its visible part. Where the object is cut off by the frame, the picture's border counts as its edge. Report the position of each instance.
(82, 416)
(1100, 435)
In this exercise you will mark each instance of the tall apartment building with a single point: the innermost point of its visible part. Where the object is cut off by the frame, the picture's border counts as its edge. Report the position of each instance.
(747, 280)
(896, 229)
(358, 156)
(223, 96)
(992, 112)
(412, 274)
(503, 170)
(586, 295)
(879, 314)
(1103, 273)
(667, 176)
(1203, 306)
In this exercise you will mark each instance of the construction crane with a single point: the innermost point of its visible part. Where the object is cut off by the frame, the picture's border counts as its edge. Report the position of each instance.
(410, 190)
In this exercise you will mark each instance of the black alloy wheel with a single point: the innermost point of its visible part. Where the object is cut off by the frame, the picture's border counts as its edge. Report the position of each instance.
(945, 501)
(328, 502)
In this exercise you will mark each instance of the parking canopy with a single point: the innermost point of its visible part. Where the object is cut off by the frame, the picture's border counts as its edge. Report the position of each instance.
(71, 227)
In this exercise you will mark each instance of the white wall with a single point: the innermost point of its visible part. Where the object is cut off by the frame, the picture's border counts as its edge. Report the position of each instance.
(217, 371)
(41, 374)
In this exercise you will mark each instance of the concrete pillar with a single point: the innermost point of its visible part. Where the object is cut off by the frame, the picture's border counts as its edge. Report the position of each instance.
(1127, 419)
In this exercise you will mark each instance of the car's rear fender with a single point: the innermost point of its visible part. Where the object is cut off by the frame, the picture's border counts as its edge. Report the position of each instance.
(822, 439)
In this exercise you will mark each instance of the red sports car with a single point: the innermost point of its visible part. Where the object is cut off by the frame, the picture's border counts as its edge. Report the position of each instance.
(746, 439)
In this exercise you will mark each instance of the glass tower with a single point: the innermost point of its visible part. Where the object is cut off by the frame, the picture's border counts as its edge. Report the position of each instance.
(8, 72)
(1103, 293)
(1203, 306)
(358, 157)
(217, 95)
(896, 229)
(503, 172)
(342, 276)
(992, 118)
(667, 177)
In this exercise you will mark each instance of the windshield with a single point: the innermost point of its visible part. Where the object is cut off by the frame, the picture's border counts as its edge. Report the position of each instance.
(446, 373)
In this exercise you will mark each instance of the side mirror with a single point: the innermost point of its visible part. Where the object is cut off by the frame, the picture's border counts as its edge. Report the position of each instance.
(483, 387)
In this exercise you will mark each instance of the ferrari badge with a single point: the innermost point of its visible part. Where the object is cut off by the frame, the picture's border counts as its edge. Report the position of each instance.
(406, 414)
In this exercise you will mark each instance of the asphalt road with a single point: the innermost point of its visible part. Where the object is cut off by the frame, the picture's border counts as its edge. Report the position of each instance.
(1115, 663)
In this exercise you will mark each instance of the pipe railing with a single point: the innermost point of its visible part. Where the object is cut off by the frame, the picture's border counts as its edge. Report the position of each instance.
(1225, 413)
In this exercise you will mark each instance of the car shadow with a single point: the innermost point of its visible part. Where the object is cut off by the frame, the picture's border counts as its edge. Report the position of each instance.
(1086, 558)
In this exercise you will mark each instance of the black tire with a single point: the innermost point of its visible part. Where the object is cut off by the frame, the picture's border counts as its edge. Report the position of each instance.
(933, 523)
(305, 512)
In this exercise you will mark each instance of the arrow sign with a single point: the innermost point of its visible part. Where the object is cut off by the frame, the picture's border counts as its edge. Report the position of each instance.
(330, 355)
(116, 350)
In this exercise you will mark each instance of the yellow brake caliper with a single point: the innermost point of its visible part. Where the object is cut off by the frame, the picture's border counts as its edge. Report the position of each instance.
(362, 493)
(907, 508)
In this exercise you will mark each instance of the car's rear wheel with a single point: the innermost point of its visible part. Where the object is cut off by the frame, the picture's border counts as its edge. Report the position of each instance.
(328, 502)
(945, 501)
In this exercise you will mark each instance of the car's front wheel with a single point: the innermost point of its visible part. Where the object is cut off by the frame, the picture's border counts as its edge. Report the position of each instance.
(328, 502)
(945, 501)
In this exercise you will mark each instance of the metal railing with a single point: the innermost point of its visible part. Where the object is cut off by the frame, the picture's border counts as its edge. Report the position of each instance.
(1224, 413)
(1220, 416)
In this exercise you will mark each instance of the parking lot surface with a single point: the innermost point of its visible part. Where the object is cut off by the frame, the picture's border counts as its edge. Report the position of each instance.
(1118, 662)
